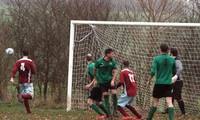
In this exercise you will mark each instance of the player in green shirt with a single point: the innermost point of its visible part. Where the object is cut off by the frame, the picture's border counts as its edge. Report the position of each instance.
(163, 68)
(95, 97)
(105, 74)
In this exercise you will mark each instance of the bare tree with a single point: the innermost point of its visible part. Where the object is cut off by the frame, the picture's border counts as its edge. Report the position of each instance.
(161, 10)
(42, 26)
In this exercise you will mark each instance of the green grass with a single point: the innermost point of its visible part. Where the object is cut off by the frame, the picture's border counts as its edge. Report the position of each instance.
(15, 111)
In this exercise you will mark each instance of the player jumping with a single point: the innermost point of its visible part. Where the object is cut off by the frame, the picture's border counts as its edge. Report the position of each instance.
(26, 69)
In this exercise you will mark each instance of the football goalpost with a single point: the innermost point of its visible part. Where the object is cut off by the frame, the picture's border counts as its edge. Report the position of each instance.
(137, 42)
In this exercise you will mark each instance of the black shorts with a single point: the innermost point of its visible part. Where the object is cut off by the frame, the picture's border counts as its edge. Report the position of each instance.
(106, 86)
(177, 90)
(162, 90)
(96, 94)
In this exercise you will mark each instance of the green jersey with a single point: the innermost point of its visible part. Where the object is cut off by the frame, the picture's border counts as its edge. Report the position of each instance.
(90, 68)
(104, 70)
(163, 67)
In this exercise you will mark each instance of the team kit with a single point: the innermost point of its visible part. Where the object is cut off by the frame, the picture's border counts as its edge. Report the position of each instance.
(102, 74)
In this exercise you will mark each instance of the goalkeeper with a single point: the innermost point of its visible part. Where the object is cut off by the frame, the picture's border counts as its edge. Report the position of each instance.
(178, 84)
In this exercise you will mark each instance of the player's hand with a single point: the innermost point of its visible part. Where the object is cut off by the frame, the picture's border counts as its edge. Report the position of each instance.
(12, 80)
(174, 78)
(95, 82)
(87, 87)
(112, 83)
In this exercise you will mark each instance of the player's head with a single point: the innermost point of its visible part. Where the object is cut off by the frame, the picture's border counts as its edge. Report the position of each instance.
(164, 48)
(109, 52)
(25, 53)
(125, 63)
(174, 52)
(89, 57)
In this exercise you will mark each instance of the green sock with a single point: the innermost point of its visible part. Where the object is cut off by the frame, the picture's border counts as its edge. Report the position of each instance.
(151, 113)
(107, 103)
(103, 108)
(96, 109)
(114, 99)
(171, 113)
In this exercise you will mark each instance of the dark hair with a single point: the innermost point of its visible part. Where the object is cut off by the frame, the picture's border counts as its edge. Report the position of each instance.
(174, 51)
(164, 48)
(126, 63)
(108, 51)
(25, 53)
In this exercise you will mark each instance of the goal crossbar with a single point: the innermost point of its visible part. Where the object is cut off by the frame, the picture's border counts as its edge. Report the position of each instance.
(135, 23)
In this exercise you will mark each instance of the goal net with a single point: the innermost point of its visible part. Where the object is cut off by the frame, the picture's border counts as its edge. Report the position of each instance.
(137, 42)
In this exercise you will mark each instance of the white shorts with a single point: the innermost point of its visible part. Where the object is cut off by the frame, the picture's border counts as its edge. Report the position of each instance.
(124, 100)
(26, 88)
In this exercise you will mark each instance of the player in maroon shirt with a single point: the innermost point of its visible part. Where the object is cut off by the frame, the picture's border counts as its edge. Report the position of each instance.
(127, 80)
(25, 67)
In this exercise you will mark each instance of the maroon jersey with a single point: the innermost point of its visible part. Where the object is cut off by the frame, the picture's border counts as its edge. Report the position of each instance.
(26, 68)
(127, 78)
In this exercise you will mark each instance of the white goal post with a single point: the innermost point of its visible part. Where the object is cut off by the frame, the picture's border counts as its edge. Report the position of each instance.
(94, 36)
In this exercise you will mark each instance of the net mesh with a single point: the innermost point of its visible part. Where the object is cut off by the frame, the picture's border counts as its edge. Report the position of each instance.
(138, 44)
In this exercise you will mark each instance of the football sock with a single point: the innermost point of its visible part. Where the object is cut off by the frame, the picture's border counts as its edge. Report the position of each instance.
(103, 108)
(181, 106)
(151, 113)
(26, 104)
(134, 111)
(114, 99)
(96, 109)
(107, 103)
(122, 111)
(171, 113)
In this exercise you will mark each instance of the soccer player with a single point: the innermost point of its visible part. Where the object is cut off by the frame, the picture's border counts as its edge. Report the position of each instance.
(127, 80)
(26, 69)
(162, 68)
(95, 98)
(105, 74)
(177, 88)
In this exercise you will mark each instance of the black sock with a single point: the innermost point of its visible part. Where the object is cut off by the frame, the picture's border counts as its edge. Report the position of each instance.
(181, 106)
